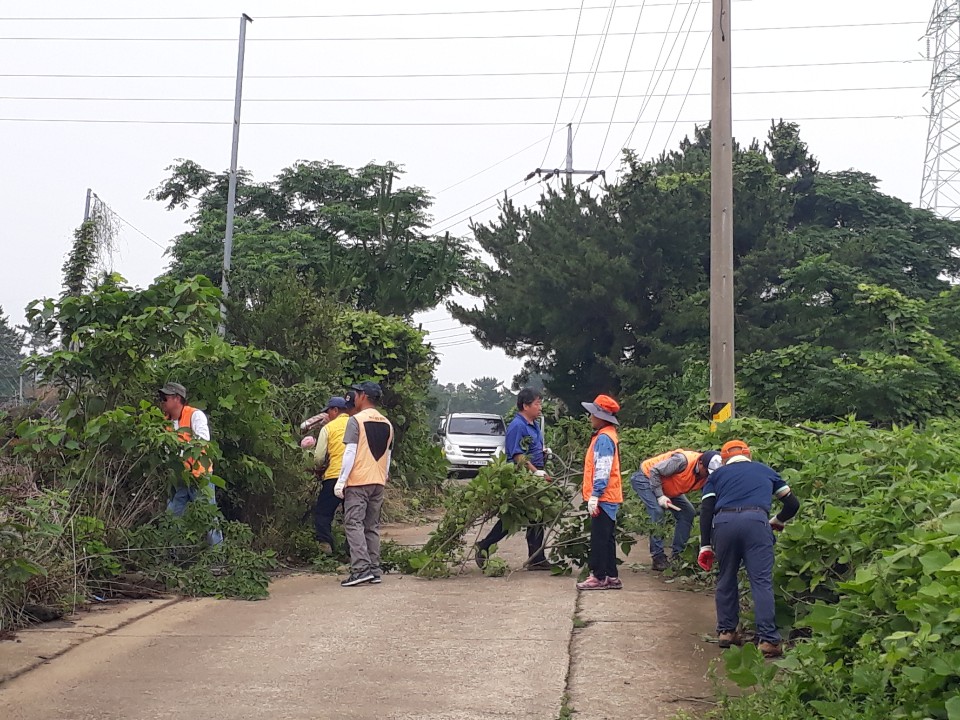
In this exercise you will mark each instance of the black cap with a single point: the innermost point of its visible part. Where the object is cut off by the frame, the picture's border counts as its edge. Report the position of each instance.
(369, 388)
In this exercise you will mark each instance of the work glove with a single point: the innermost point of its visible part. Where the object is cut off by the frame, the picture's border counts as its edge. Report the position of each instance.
(339, 488)
(666, 503)
(547, 454)
(777, 524)
(706, 557)
(543, 474)
(308, 442)
(593, 506)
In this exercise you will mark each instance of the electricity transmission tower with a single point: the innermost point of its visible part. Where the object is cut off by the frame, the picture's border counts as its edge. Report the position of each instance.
(941, 168)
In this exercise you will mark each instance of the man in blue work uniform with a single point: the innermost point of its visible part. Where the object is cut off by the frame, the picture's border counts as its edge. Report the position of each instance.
(735, 530)
(524, 445)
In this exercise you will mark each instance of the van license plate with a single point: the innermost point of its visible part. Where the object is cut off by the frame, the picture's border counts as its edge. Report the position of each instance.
(477, 462)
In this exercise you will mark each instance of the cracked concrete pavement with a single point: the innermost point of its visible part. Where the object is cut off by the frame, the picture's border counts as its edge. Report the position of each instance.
(459, 648)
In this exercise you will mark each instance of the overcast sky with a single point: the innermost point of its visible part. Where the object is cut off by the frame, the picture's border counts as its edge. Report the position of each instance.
(874, 67)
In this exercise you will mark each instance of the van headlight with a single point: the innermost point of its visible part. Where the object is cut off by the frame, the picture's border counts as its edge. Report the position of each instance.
(449, 446)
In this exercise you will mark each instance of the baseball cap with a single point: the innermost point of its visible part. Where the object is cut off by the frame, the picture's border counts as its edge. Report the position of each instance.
(369, 388)
(336, 402)
(172, 388)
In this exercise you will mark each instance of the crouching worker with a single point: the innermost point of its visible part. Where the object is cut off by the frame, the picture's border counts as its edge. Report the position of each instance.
(189, 423)
(603, 493)
(735, 530)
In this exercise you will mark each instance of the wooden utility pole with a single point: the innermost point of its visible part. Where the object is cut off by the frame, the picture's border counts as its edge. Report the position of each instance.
(721, 221)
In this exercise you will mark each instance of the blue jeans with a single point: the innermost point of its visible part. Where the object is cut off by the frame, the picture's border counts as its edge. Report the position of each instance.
(684, 516)
(745, 537)
(177, 505)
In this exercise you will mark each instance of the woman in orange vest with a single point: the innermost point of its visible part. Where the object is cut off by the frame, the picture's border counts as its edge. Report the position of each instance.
(602, 491)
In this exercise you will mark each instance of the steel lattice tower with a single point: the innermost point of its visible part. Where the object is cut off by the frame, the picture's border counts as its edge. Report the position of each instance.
(941, 168)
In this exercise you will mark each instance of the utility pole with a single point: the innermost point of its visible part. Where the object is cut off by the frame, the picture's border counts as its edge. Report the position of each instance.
(721, 221)
(232, 188)
(86, 207)
(940, 191)
(568, 169)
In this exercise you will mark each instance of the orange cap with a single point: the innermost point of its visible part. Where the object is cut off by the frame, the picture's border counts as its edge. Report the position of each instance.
(734, 447)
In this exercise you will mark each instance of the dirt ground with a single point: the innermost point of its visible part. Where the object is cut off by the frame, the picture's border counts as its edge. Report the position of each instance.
(527, 645)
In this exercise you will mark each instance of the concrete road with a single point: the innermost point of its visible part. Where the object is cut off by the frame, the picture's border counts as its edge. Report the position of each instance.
(459, 648)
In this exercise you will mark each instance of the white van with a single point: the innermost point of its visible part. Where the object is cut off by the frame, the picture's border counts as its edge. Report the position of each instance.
(471, 440)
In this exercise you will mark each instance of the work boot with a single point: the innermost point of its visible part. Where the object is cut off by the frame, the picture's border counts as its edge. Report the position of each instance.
(770, 650)
(480, 556)
(728, 638)
(660, 563)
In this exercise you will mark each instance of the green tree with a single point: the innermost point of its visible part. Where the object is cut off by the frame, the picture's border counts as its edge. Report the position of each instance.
(11, 355)
(611, 293)
(355, 235)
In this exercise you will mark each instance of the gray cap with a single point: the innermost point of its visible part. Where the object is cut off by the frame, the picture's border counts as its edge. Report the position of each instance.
(172, 388)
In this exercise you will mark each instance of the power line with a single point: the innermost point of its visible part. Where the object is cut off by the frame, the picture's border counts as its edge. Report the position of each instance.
(425, 38)
(499, 162)
(623, 76)
(566, 77)
(389, 76)
(450, 217)
(466, 123)
(128, 223)
(673, 75)
(594, 66)
(340, 15)
(501, 98)
(683, 102)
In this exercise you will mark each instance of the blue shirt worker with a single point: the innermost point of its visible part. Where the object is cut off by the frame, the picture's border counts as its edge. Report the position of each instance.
(735, 530)
(603, 493)
(524, 446)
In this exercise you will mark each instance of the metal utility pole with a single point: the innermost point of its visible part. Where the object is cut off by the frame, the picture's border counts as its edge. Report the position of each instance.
(232, 189)
(568, 169)
(940, 191)
(86, 207)
(721, 221)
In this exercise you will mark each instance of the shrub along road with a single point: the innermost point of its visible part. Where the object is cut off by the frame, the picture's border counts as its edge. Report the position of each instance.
(464, 647)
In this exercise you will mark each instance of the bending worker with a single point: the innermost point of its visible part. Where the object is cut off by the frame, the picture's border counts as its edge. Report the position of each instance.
(734, 530)
(328, 459)
(662, 483)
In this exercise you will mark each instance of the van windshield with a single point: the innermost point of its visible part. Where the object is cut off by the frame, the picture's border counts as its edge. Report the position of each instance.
(475, 426)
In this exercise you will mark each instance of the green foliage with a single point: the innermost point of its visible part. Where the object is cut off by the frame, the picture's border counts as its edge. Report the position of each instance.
(484, 394)
(632, 270)
(11, 355)
(351, 233)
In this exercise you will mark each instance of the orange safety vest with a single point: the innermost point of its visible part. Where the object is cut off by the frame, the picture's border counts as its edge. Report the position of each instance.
(185, 433)
(614, 490)
(678, 483)
(367, 469)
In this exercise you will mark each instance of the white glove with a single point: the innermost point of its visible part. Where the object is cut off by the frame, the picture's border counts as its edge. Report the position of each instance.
(665, 502)
(547, 453)
(593, 506)
(777, 524)
(339, 488)
(540, 473)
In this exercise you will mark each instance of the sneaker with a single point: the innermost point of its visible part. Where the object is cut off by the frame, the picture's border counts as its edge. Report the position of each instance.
(614, 583)
(545, 565)
(326, 548)
(770, 650)
(728, 638)
(377, 579)
(591, 583)
(357, 579)
(480, 557)
(660, 563)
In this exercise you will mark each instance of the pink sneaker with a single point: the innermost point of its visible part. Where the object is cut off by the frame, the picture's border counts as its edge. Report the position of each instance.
(591, 583)
(614, 583)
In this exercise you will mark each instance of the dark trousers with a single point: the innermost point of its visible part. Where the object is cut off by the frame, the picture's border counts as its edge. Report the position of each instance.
(603, 546)
(326, 508)
(745, 538)
(534, 541)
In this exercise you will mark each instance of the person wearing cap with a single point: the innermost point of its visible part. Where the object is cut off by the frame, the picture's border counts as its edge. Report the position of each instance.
(603, 493)
(524, 446)
(328, 459)
(364, 471)
(734, 531)
(662, 482)
(188, 423)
